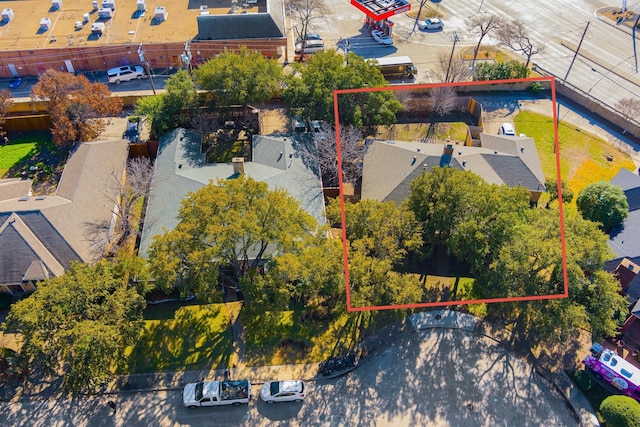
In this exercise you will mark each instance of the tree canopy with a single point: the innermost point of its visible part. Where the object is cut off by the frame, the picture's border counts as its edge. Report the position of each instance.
(79, 324)
(530, 264)
(603, 203)
(240, 78)
(380, 235)
(309, 90)
(76, 106)
(170, 109)
(234, 223)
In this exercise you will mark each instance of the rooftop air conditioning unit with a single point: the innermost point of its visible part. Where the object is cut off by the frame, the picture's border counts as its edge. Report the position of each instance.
(95, 5)
(45, 24)
(97, 28)
(79, 25)
(56, 4)
(160, 14)
(141, 5)
(204, 10)
(109, 4)
(85, 18)
(105, 13)
(7, 15)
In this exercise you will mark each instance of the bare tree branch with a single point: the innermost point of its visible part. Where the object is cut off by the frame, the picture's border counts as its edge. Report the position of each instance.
(352, 150)
(514, 35)
(482, 25)
(459, 70)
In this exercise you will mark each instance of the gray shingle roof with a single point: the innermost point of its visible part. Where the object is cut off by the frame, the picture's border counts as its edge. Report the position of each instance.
(28, 242)
(15, 256)
(390, 166)
(237, 27)
(624, 240)
(180, 169)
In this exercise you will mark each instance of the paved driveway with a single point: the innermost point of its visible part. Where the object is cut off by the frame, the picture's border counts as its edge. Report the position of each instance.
(433, 377)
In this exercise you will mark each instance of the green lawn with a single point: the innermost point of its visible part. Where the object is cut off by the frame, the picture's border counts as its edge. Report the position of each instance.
(583, 156)
(186, 338)
(14, 153)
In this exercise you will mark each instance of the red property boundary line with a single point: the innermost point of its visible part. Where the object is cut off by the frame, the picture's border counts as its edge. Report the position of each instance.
(345, 250)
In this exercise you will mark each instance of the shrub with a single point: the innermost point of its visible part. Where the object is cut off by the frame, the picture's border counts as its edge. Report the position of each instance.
(620, 411)
(535, 87)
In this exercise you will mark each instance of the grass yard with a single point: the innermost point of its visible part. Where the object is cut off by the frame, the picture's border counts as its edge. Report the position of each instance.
(275, 338)
(15, 153)
(191, 337)
(456, 131)
(584, 158)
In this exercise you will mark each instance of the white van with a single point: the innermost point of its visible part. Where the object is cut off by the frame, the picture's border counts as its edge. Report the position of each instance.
(125, 73)
(312, 46)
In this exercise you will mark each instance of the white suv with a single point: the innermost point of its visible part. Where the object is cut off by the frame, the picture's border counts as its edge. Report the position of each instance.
(125, 73)
(283, 391)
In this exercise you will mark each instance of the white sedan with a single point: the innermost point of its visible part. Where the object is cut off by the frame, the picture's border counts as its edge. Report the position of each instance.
(432, 24)
(283, 391)
(381, 37)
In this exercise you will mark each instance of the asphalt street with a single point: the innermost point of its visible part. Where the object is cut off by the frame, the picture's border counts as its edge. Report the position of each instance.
(432, 377)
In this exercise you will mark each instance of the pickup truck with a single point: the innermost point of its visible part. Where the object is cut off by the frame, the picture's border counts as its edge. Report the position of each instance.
(216, 393)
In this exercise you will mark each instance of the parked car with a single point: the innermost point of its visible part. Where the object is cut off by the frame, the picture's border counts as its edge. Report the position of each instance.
(15, 83)
(283, 391)
(216, 393)
(381, 37)
(432, 24)
(311, 46)
(125, 73)
(507, 129)
(309, 36)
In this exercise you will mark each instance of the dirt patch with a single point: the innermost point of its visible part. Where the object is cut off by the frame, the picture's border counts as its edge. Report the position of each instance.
(615, 14)
(484, 53)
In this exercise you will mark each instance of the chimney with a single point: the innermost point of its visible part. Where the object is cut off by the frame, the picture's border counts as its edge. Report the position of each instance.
(448, 149)
(238, 165)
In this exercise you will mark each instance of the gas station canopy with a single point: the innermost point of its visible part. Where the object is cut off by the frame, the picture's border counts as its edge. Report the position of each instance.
(381, 9)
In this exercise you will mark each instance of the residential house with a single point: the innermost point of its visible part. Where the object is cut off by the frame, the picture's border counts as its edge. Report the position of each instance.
(391, 166)
(180, 168)
(41, 235)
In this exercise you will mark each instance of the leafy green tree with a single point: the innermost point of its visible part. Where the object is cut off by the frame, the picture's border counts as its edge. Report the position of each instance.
(170, 109)
(236, 223)
(240, 78)
(500, 71)
(552, 189)
(620, 411)
(530, 264)
(487, 223)
(603, 203)
(309, 90)
(380, 235)
(439, 200)
(79, 324)
(312, 276)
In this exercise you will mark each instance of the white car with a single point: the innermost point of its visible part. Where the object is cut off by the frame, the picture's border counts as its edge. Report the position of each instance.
(381, 37)
(283, 391)
(124, 74)
(507, 129)
(432, 24)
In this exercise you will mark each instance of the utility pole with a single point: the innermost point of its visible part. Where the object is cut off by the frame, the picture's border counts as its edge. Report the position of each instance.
(455, 40)
(146, 64)
(186, 56)
(575, 55)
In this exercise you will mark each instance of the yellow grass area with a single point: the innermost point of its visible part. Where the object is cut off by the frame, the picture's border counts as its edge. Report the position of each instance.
(584, 158)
